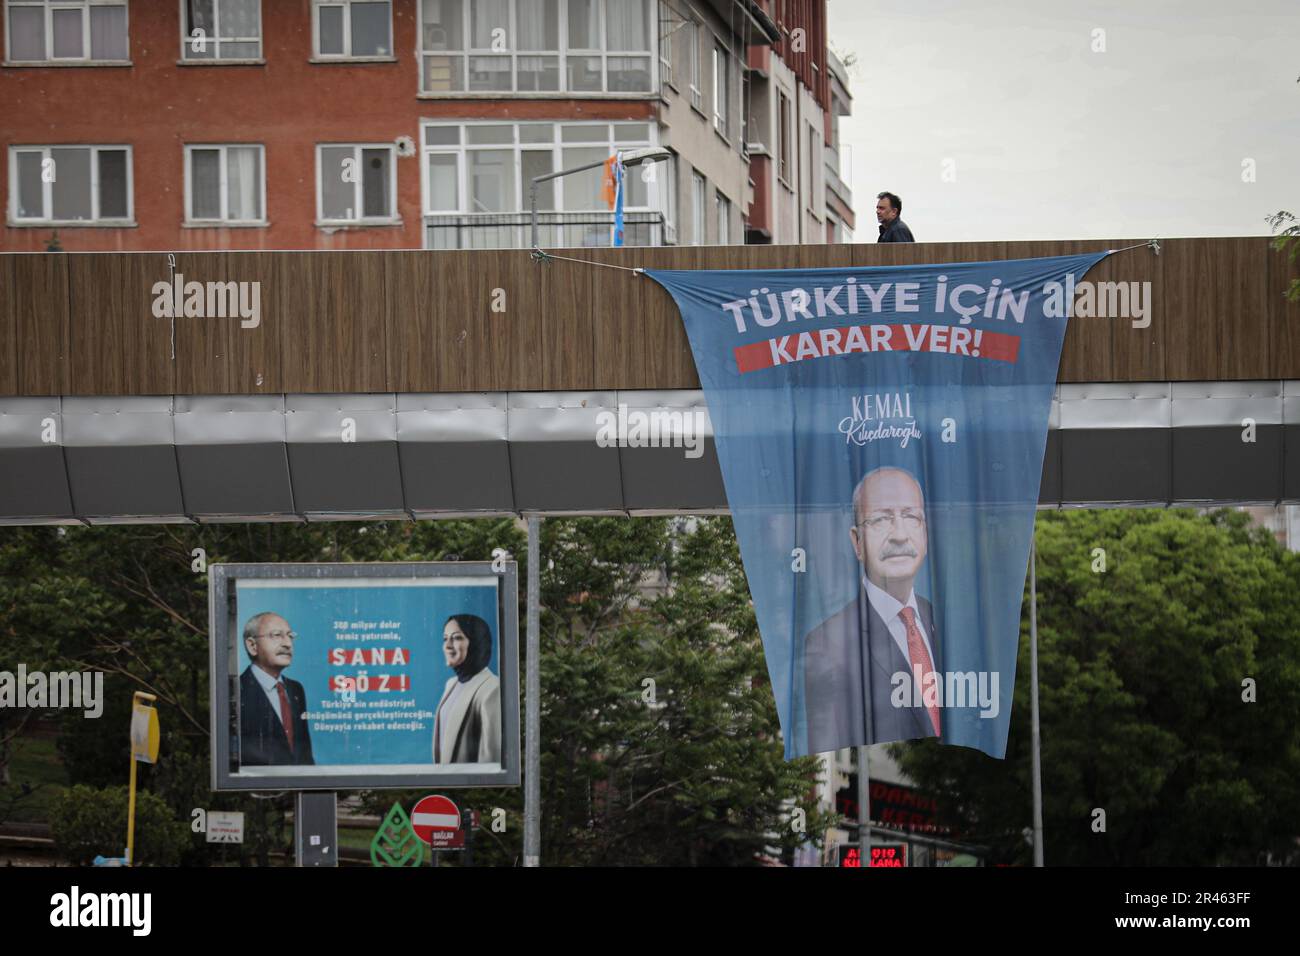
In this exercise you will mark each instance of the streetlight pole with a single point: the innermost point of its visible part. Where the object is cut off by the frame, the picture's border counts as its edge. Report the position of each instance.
(633, 157)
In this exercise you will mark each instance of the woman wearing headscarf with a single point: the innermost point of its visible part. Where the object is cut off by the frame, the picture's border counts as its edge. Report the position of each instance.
(467, 728)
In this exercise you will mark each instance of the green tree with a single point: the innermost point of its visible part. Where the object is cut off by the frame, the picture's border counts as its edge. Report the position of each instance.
(696, 774)
(1141, 689)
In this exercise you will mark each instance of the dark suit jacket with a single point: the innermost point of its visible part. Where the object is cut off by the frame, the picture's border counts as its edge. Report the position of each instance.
(834, 693)
(262, 740)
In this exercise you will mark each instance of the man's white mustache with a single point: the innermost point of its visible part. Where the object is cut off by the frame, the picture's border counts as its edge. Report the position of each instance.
(908, 553)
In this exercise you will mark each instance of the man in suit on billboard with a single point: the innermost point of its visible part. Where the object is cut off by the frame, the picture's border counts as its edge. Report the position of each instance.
(891, 539)
(272, 708)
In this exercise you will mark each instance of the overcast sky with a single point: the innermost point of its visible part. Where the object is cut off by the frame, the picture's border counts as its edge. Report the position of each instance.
(1050, 140)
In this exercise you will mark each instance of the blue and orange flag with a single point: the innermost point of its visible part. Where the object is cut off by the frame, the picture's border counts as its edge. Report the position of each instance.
(612, 192)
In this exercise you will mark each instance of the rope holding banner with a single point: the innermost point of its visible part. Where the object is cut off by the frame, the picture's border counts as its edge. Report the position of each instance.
(539, 256)
(1152, 244)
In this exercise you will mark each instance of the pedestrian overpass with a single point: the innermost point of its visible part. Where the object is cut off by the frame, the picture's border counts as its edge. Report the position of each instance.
(429, 384)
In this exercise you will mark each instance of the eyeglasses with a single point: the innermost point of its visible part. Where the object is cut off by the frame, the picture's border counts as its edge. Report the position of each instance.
(280, 635)
(878, 521)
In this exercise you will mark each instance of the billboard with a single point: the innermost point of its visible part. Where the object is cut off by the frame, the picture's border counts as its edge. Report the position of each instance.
(334, 676)
(881, 434)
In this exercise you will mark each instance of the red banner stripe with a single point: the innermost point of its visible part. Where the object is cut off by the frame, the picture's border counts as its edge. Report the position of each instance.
(877, 337)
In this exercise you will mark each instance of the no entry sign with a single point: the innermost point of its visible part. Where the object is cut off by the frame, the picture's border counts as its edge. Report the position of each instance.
(436, 821)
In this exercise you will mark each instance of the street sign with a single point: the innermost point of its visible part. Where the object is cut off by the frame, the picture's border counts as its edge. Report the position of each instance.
(225, 827)
(436, 821)
(144, 732)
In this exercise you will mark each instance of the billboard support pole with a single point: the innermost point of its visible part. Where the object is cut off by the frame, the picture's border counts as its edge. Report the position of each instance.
(533, 712)
(1033, 703)
(315, 828)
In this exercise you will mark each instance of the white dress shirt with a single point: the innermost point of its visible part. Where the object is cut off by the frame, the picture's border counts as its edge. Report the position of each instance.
(268, 684)
(888, 608)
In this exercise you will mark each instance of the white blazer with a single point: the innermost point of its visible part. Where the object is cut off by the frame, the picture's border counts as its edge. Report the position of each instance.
(472, 722)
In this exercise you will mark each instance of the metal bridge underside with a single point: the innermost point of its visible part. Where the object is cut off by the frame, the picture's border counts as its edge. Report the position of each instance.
(152, 459)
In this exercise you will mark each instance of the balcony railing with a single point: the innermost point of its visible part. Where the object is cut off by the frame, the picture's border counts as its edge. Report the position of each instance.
(555, 230)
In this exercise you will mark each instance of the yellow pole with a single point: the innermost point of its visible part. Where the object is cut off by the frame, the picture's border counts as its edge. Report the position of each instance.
(130, 818)
(137, 697)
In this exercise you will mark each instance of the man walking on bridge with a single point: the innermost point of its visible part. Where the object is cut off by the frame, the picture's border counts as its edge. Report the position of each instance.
(892, 228)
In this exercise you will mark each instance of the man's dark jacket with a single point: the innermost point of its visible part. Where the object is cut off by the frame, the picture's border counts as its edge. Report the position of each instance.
(834, 692)
(262, 740)
(896, 231)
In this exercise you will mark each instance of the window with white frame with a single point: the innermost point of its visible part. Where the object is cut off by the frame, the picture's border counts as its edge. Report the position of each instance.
(668, 25)
(749, 131)
(721, 87)
(91, 30)
(225, 184)
(805, 172)
(476, 168)
(356, 183)
(221, 29)
(692, 34)
(699, 207)
(70, 184)
(547, 46)
(665, 183)
(783, 137)
(722, 206)
(814, 161)
(352, 29)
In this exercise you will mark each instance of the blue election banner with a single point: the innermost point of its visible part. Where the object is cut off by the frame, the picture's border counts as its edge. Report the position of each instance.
(365, 664)
(881, 435)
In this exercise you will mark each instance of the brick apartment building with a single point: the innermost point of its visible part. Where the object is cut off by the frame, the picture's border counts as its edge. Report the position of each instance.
(364, 124)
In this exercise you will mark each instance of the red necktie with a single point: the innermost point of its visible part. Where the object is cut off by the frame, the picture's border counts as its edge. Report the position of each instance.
(285, 717)
(920, 659)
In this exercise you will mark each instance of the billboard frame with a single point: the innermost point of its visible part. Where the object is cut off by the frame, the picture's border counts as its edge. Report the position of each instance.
(223, 716)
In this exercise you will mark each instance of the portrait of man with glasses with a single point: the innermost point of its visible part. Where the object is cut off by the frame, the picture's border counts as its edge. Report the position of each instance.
(888, 633)
(272, 707)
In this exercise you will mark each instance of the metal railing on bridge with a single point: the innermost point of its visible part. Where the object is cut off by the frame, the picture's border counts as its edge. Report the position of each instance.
(555, 230)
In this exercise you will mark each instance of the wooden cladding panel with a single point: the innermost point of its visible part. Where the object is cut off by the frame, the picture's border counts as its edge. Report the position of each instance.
(255, 366)
(1217, 322)
(417, 321)
(117, 345)
(334, 341)
(204, 363)
(8, 328)
(443, 335)
(1284, 316)
(38, 303)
